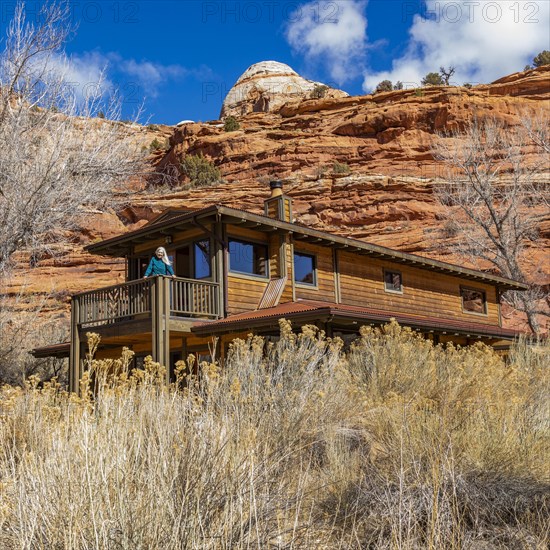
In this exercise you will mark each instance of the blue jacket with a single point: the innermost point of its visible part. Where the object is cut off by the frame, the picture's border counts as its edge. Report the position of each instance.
(158, 267)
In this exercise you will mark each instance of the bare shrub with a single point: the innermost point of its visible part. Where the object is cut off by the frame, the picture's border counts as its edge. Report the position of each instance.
(496, 197)
(23, 327)
(56, 156)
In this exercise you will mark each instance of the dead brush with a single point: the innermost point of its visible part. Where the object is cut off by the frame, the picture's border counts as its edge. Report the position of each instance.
(294, 444)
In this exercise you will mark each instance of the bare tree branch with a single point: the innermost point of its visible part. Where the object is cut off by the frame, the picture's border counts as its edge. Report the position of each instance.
(496, 196)
(56, 157)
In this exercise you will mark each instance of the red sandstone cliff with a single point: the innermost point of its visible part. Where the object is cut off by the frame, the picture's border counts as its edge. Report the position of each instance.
(387, 197)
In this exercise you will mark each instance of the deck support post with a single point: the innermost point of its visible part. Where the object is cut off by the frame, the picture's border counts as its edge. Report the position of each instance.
(219, 268)
(74, 356)
(167, 294)
(160, 326)
(156, 319)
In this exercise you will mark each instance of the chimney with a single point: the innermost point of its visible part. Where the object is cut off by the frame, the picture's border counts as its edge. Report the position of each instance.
(279, 205)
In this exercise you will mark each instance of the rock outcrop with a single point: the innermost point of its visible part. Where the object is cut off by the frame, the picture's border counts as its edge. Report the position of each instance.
(266, 86)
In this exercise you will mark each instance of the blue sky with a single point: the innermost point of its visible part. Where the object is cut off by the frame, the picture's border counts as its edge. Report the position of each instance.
(183, 55)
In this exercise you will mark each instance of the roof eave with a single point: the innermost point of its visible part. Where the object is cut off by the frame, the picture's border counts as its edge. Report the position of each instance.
(123, 243)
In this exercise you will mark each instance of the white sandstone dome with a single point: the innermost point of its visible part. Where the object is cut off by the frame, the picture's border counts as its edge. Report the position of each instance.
(267, 86)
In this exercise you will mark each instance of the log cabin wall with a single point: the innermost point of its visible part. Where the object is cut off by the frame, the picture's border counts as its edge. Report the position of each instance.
(244, 292)
(425, 293)
(325, 288)
(356, 280)
(289, 292)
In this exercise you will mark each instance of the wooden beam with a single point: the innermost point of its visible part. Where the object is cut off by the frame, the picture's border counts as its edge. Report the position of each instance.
(167, 297)
(156, 314)
(336, 275)
(74, 357)
(219, 272)
(209, 232)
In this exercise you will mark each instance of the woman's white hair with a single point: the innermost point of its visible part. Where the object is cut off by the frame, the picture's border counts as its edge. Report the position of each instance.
(165, 257)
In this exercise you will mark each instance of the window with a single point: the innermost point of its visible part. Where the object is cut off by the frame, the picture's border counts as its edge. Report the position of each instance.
(203, 267)
(393, 281)
(194, 260)
(247, 257)
(304, 269)
(473, 301)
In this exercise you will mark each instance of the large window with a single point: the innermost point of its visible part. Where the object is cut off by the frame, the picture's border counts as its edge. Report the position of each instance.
(203, 266)
(304, 269)
(193, 260)
(473, 300)
(393, 281)
(247, 257)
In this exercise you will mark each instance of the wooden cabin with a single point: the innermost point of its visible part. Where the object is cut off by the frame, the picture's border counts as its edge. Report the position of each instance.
(238, 272)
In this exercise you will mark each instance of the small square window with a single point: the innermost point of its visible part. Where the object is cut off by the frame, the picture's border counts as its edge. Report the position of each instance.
(304, 269)
(473, 300)
(393, 281)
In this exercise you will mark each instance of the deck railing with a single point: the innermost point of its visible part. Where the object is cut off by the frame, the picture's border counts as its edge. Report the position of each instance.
(190, 297)
(115, 303)
(127, 301)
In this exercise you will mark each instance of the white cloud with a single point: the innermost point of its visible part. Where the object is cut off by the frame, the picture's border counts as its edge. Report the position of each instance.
(483, 39)
(149, 75)
(333, 32)
(111, 70)
(87, 71)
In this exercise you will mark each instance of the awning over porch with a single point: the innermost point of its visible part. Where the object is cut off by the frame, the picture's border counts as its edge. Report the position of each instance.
(309, 311)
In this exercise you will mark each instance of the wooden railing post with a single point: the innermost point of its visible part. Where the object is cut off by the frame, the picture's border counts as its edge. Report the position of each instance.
(74, 356)
(167, 292)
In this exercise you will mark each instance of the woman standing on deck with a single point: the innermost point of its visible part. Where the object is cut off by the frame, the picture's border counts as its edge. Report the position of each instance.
(160, 264)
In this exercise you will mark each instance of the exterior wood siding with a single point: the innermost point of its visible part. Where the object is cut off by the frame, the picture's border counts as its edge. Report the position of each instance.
(325, 288)
(288, 292)
(424, 293)
(245, 292)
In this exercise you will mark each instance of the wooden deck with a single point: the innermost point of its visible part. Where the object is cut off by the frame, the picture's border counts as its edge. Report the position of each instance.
(142, 298)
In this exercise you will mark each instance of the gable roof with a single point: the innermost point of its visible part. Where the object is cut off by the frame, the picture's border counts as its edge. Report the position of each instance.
(122, 245)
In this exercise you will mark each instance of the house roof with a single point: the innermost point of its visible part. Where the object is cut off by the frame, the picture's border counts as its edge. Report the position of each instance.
(122, 245)
(310, 310)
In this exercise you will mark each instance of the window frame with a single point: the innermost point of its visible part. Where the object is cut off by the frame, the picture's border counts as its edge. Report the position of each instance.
(315, 283)
(245, 274)
(485, 303)
(191, 244)
(391, 290)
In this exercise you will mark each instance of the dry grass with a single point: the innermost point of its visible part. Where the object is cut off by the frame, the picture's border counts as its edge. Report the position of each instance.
(399, 444)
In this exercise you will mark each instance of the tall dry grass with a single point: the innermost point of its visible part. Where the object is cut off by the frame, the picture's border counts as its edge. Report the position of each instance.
(396, 444)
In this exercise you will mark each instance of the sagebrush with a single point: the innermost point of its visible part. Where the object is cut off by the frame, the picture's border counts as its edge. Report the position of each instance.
(395, 444)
